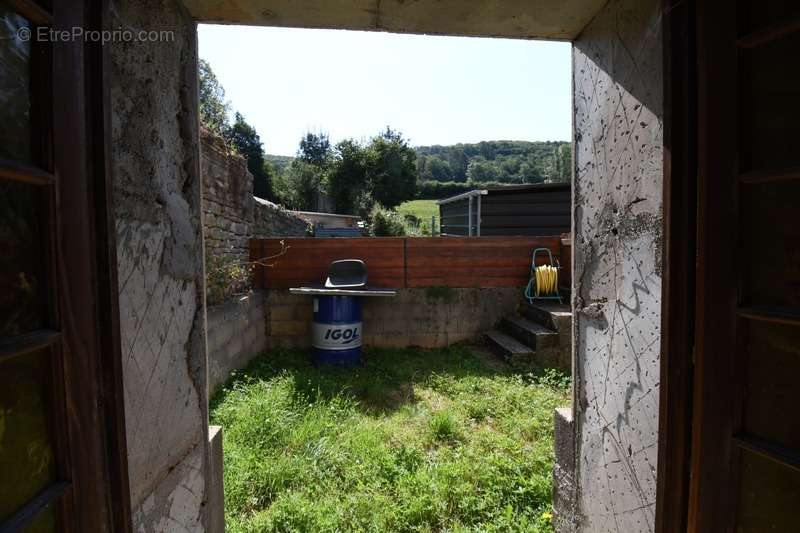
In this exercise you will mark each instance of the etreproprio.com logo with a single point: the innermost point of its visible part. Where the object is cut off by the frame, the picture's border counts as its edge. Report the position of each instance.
(77, 33)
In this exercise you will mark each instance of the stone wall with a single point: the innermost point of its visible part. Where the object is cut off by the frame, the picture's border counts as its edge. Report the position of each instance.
(227, 199)
(236, 333)
(231, 214)
(157, 197)
(617, 199)
(272, 220)
(428, 318)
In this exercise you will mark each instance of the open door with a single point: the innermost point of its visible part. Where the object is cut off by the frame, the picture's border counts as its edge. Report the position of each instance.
(62, 448)
(745, 443)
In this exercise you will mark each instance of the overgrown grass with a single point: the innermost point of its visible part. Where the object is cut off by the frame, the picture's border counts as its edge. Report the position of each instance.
(415, 440)
(423, 210)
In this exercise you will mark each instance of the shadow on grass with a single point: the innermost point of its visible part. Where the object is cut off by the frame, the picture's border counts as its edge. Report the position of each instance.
(383, 383)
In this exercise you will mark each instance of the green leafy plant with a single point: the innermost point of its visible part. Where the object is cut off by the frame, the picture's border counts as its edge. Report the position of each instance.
(226, 277)
(444, 427)
(386, 223)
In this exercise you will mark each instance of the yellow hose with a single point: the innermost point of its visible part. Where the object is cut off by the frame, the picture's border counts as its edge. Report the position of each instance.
(546, 280)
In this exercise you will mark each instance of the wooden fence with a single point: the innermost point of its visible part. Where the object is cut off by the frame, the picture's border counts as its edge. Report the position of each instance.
(400, 262)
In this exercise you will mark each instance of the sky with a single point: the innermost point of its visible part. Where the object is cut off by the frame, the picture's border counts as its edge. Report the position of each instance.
(350, 84)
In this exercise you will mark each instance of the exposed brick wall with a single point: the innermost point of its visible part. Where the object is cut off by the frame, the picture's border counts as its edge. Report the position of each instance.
(428, 318)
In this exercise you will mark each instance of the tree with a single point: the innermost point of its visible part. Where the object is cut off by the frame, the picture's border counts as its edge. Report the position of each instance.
(437, 170)
(315, 149)
(214, 108)
(481, 170)
(560, 165)
(303, 183)
(347, 180)
(391, 169)
(248, 143)
(501, 161)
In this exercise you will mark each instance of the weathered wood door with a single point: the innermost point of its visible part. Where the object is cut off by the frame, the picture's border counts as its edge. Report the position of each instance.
(62, 454)
(745, 452)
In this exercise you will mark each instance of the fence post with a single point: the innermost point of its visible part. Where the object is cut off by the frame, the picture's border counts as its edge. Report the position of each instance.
(469, 218)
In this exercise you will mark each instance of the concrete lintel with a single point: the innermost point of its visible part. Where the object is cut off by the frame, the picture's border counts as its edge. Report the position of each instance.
(521, 19)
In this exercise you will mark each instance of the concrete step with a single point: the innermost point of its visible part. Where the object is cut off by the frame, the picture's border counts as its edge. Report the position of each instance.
(529, 332)
(552, 315)
(509, 347)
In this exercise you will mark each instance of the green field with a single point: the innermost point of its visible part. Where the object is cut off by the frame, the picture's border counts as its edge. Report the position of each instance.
(414, 440)
(423, 210)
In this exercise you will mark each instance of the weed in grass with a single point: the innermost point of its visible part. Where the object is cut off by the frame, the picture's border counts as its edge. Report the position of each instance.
(413, 440)
(444, 427)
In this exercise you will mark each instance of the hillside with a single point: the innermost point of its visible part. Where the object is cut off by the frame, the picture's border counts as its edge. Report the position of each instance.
(489, 161)
(498, 161)
(278, 162)
(448, 170)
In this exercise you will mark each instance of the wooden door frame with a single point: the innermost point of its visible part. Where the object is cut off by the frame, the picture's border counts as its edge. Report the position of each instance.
(87, 270)
(699, 306)
(710, 499)
(679, 259)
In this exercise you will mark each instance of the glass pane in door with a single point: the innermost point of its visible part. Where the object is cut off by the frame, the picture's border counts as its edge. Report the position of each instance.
(15, 78)
(772, 364)
(768, 496)
(22, 306)
(27, 462)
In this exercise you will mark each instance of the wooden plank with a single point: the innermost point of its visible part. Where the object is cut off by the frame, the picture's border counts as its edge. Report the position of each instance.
(419, 262)
(711, 496)
(397, 262)
(305, 261)
(678, 293)
(455, 281)
(474, 262)
(485, 242)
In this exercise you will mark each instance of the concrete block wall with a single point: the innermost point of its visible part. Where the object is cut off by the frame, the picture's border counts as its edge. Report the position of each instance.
(565, 514)
(429, 318)
(236, 334)
(617, 225)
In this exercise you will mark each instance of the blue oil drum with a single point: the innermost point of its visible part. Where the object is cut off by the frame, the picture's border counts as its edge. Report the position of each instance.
(336, 331)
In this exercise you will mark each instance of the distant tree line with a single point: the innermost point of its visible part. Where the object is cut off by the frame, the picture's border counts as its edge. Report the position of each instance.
(383, 172)
(514, 162)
